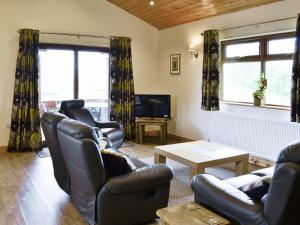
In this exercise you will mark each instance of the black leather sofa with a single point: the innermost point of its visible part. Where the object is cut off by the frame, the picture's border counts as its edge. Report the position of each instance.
(128, 199)
(113, 131)
(252, 199)
(49, 123)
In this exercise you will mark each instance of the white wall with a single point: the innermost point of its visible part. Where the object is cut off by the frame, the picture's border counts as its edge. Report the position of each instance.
(97, 17)
(188, 118)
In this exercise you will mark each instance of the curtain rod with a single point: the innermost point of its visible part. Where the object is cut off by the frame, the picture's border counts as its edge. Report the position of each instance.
(76, 35)
(256, 24)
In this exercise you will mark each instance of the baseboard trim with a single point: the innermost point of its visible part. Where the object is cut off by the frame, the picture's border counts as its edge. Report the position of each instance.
(3, 148)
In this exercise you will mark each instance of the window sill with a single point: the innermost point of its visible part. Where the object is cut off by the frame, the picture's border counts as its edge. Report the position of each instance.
(287, 108)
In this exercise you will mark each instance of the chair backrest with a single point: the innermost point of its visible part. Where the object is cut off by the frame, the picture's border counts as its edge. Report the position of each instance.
(49, 123)
(84, 163)
(283, 198)
(74, 109)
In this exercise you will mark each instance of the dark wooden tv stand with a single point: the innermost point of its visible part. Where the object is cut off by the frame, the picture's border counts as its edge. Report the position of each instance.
(140, 124)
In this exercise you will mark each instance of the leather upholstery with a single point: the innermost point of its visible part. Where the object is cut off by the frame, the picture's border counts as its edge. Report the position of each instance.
(279, 204)
(49, 123)
(283, 198)
(241, 181)
(227, 200)
(77, 129)
(84, 164)
(113, 131)
(123, 200)
(264, 172)
(290, 153)
(71, 104)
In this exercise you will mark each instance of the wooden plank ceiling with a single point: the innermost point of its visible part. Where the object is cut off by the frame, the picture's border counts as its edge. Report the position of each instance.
(169, 13)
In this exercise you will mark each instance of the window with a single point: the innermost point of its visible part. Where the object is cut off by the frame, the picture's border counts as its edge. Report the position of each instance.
(243, 60)
(70, 72)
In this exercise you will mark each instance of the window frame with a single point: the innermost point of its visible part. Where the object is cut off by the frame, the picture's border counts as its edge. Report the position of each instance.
(263, 57)
(76, 49)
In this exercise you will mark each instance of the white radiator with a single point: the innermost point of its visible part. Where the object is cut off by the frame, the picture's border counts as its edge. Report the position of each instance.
(263, 138)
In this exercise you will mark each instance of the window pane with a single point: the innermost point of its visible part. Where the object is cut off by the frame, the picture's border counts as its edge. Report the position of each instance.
(57, 77)
(281, 46)
(239, 81)
(93, 82)
(278, 74)
(240, 50)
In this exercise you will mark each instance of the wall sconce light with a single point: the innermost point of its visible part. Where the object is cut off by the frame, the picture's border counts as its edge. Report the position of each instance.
(194, 51)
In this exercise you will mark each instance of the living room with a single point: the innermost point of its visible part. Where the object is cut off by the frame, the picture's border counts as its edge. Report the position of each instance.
(260, 131)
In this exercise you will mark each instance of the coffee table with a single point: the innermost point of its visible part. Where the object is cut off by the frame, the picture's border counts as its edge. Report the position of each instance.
(179, 215)
(201, 154)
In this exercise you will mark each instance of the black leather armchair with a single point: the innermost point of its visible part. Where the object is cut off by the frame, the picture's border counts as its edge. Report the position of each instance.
(49, 123)
(113, 131)
(123, 200)
(279, 204)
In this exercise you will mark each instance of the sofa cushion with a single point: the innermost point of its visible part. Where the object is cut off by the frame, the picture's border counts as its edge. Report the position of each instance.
(240, 181)
(116, 163)
(256, 190)
(264, 172)
(254, 186)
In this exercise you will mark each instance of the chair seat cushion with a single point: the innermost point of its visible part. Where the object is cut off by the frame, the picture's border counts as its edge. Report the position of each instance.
(264, 172)
(113, 134)
(240, 181)
(116, 163)
(254, 186)
(138, 163)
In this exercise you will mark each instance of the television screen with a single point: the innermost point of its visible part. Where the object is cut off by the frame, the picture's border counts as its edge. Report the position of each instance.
(154, 106)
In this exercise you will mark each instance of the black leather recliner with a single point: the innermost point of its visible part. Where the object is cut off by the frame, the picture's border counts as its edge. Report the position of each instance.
(279, 205)
(49, 123)
(123, 200)
(113, 131)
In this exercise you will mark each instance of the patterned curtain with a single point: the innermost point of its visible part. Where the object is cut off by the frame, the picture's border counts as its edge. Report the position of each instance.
(121, 84)
(25, 132)
(210, 78)
(295, 92)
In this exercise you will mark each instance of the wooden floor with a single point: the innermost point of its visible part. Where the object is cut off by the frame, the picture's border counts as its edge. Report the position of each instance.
(29, 194)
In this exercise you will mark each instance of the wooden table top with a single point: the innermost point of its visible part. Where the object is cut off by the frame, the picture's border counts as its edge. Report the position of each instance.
(200, 152)
(179, 215)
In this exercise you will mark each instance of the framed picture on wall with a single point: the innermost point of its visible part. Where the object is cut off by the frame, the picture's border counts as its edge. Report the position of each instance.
(175, 64)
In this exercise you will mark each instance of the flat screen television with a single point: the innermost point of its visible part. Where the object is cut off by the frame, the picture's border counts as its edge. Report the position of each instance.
(154, 106)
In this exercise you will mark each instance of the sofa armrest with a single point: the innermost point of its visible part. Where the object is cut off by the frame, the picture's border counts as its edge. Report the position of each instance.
(227, 200)
(139, 180)
(110, 124)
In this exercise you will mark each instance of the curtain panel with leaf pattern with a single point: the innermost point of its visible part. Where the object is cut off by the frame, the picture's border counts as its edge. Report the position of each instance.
(210, 77)
(25, 131)
(295, 92)
(122, 85)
